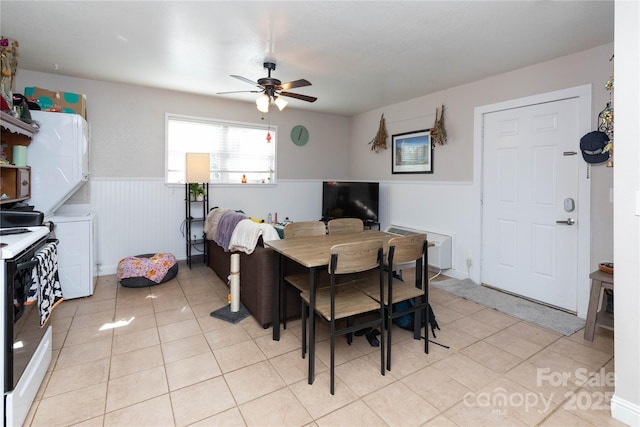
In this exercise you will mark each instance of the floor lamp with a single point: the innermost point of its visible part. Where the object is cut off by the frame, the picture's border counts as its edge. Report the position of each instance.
(198, 168)
(198, 173)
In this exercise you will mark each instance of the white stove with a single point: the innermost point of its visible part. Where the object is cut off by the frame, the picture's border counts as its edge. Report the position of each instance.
(13, 244)
(25, 365)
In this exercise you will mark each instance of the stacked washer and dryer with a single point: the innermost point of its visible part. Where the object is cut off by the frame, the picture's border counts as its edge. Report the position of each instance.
(59, 158)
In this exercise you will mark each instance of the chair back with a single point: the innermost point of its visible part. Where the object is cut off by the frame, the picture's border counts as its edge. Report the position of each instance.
(355, 257)
(405, 249)
(305, 228)
(345, 225)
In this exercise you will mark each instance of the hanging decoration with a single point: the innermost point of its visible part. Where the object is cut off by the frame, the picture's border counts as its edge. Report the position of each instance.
(438, 132)
(379, 142)
(605, 120)
(268, 137)
(9, 66)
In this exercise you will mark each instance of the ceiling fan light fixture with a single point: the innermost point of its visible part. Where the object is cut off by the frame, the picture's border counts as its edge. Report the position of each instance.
(281, 103)
(263, 102)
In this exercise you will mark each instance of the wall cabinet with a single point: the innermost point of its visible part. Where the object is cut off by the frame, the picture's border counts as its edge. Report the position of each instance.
(15, 181)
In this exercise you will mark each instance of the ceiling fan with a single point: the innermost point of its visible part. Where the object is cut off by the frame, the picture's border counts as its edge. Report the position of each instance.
(272, 89)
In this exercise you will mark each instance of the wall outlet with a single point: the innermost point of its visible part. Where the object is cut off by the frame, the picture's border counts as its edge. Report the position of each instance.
(469, 262)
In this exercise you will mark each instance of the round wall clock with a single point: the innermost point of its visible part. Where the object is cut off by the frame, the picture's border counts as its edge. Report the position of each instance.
(299, 135)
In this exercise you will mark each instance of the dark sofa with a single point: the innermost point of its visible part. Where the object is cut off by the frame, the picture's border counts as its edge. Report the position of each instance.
(256, 280)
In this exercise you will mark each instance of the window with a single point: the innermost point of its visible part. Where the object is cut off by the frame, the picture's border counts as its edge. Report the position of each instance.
(236, 149)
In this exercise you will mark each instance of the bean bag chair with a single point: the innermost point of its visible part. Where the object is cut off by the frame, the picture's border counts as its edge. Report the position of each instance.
(146, 270)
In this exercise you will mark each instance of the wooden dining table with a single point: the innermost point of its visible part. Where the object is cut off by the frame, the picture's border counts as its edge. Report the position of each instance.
(313, 252)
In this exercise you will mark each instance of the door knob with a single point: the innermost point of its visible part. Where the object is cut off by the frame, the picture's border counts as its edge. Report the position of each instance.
(568, 221)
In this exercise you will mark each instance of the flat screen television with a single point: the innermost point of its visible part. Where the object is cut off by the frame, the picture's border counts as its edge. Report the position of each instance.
(344, 199)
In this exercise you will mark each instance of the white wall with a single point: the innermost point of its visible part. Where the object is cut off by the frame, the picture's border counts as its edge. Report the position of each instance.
(136, 212)
(128, 128)
(445, 200)
(625, 404)
(127, 143)
(143, 215)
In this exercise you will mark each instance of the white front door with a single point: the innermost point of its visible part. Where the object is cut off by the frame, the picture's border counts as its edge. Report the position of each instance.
(530, 201)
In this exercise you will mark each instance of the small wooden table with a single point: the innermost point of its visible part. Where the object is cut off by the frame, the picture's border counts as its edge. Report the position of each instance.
(312, 252)
(595, 314)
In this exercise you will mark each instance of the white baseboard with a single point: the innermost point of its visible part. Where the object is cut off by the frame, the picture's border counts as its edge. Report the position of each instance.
(625, 411)
(451, 272)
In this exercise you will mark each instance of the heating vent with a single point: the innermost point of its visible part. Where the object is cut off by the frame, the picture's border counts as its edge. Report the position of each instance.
(440, 254)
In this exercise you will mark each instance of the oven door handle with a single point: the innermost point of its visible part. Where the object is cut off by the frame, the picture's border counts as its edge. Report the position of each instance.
(26, 265)
(33, 262)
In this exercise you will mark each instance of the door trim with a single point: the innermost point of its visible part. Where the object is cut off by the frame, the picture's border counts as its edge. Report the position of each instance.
(583, 94)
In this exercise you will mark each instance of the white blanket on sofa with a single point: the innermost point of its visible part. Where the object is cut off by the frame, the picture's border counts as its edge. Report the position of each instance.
(246, 234)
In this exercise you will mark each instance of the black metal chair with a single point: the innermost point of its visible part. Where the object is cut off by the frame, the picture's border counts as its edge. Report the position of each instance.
(403, 250)
(344, 302)
(301, 281)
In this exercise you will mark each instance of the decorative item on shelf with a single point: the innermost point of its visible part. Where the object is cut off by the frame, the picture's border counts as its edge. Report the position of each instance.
(438, 132)
(606, 267)
(379, 142)
(9, 65)
(244, 179)
(3, 155)
(605, 120)
(197, 192)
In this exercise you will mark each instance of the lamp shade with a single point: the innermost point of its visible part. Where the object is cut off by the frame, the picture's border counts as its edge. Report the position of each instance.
(263, 102)
(198, 167)
(281, 103)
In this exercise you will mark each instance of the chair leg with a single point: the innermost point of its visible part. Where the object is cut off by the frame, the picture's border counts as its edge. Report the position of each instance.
(382, 367)
(284, 305)
(389, 321)
(425, 322)
(417, 320)
(304, 328)
(333, 357)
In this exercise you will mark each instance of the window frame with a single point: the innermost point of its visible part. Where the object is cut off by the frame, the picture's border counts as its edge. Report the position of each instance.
(221, 122)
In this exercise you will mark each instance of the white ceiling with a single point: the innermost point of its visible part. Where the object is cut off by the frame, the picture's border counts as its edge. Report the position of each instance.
(358, 55)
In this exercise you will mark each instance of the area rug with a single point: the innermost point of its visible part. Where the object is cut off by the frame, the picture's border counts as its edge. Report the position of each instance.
(539, 314)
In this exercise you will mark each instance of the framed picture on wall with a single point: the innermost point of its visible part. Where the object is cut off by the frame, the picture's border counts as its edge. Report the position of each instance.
(412, 152)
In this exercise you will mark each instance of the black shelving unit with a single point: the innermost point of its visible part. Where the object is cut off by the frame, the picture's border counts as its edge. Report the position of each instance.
(196, 212)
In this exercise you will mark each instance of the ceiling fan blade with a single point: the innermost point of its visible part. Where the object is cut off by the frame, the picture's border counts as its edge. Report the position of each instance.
(239, 91)
(295, 83)
(246, 80)
(298, 96)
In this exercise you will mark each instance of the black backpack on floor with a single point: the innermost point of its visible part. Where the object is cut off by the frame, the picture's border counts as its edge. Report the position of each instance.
(406, 321)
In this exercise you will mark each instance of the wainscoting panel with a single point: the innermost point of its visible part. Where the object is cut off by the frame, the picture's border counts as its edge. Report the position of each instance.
(136, 217)
(143, 215)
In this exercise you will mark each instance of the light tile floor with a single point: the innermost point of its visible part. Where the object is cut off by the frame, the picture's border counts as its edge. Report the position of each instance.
(155, 357)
